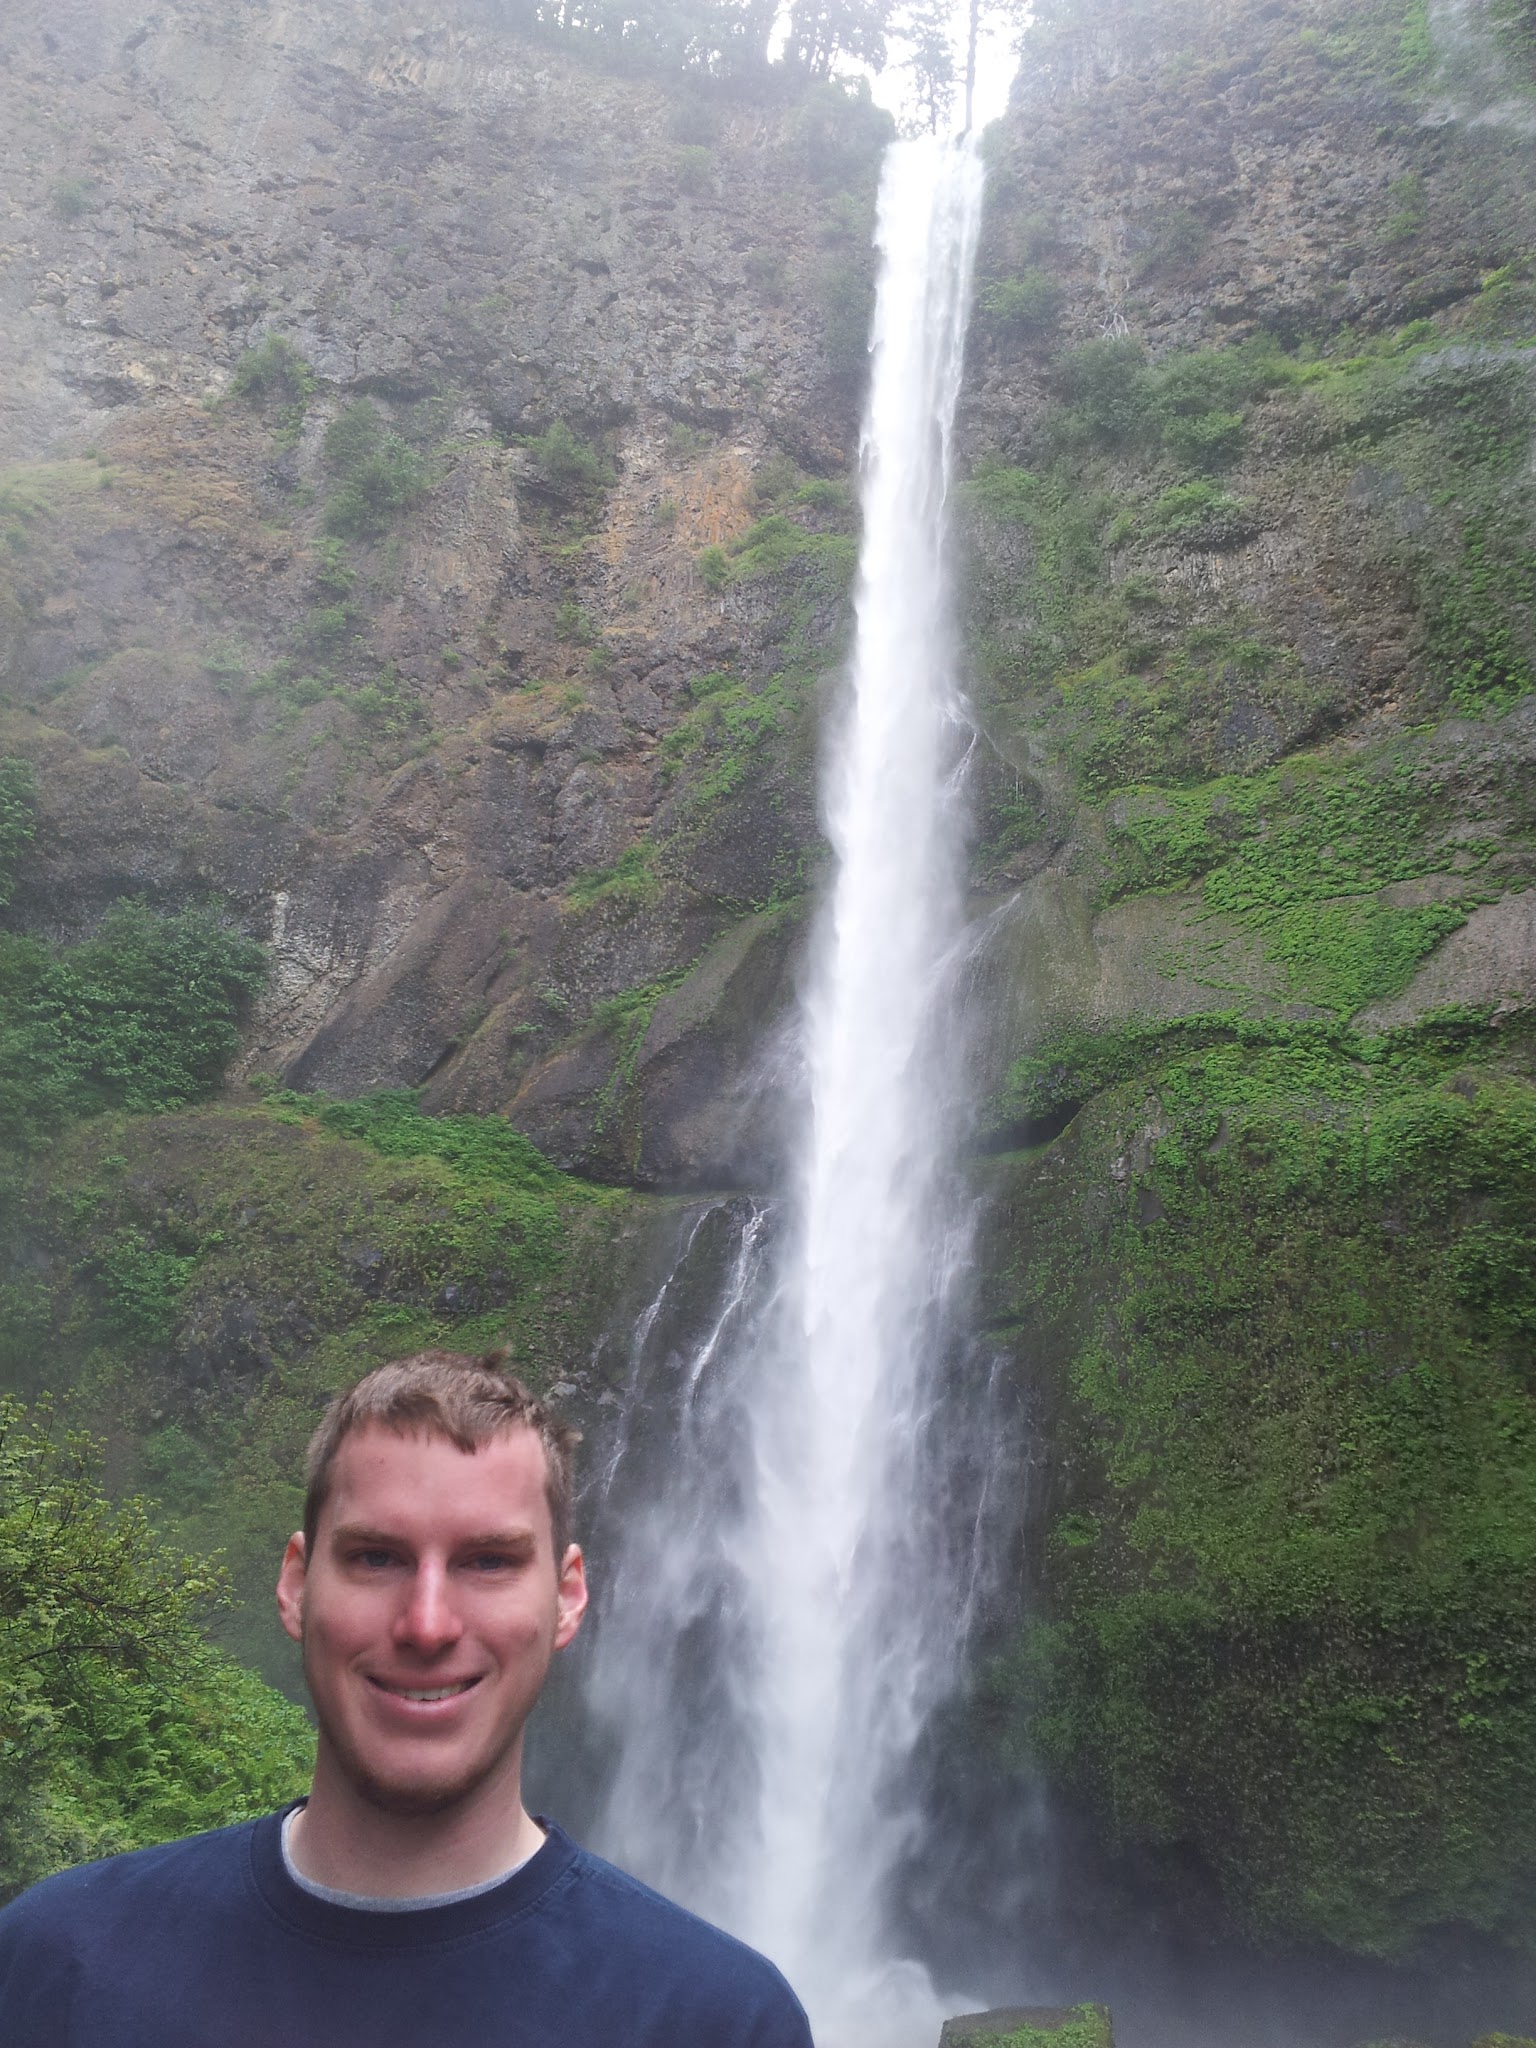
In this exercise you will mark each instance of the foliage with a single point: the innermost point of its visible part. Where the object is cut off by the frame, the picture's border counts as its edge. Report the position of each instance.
(1198, 514)
(1193, 405)
(1086, 2026)
(1287, 1626)
(568, 463)
(627, 885)
(142, 1017)
(1480, 602)
(479, 1147)
(1018, 308)
(119, 1724)
(18, 818)
(73, 197)
(1299, 855)
(846, 290)
(379, 473)
(722, 740)
(265, 1256)
(275, 371)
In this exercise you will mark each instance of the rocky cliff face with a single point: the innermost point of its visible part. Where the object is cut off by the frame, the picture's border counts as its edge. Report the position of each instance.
(428, 532)
(446, 747)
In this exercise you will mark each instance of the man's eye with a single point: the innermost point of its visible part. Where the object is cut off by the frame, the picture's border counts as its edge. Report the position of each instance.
(373, 1560)
(491, 1561)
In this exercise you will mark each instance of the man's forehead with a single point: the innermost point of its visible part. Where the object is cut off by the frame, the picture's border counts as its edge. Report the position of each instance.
(378, 1451)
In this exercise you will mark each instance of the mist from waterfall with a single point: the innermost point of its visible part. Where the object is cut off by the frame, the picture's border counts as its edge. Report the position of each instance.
(1475, 75)
(788, 1601)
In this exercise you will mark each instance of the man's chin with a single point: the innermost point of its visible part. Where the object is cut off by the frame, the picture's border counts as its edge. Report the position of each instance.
(408, 1798)
(408, 1792)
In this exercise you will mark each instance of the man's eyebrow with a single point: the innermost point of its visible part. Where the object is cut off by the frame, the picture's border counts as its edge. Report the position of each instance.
(359, 1532)
(490, 1539)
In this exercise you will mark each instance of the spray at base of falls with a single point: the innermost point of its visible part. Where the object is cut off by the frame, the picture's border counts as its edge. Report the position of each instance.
(790, 1607)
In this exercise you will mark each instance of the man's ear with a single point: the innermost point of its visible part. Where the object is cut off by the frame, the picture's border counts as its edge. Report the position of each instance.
(290, 1587)
(570, 1596)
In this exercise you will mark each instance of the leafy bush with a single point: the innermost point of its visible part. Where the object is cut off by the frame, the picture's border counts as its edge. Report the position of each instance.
(1108, 392)
(73, 197)
(846, 290)
(121, 1724)
(273, 370)
(837, 133)
(629, 884)
(141, 1017)
(379, 472)
(1017, 307)
(569, 463)
(1202, 514)
(18, 818)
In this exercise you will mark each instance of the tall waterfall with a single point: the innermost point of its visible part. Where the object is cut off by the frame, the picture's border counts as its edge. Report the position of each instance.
(788, 1608)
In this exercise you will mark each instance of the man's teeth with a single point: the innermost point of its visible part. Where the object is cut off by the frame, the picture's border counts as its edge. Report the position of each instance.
(436, 1692)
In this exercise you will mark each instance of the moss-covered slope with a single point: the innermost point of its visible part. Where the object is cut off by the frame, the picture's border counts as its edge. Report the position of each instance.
(1252, 544)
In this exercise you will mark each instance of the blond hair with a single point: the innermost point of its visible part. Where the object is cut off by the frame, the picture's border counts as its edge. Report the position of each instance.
(453, 1394)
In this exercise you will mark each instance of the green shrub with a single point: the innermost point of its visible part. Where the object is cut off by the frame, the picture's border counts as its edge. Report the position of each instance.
(1201, 514)
(1108, 393)
(837, 134)
(846, 291)
(714, 567)
(141, 1017)
(1018, 307)
(628, 884)
(18, 818)
(142, 1285)
(72, 197)
(568, 463)
(122, 1725)
(379, 473)
(274, 369)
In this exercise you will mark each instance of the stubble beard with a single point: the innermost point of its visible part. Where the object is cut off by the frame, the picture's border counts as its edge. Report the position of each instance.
(406, 1799)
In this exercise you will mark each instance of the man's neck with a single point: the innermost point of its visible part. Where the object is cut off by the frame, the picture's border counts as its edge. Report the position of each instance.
(339, 1839)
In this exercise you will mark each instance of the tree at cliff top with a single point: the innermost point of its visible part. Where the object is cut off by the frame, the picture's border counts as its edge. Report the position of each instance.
(119, 1724)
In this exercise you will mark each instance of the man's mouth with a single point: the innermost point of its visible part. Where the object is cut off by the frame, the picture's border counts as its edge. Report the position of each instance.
(424, 1694)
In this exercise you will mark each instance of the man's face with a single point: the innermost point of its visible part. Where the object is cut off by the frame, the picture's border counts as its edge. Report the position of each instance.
(429, 1613)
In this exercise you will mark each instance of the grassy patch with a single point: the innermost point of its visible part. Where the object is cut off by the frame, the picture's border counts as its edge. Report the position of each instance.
(1300, 855)
(626, 885)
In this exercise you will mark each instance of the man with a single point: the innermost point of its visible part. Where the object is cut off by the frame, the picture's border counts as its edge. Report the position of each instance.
(411, 1901)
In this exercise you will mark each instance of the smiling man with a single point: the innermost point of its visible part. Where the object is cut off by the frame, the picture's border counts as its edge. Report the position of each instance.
(411, 1900)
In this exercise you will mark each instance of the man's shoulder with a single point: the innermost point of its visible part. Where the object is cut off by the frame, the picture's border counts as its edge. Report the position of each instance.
(666, 1930)
(196, 1866)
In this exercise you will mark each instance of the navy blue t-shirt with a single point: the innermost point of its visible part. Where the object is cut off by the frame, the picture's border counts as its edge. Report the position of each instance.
(209, 1943)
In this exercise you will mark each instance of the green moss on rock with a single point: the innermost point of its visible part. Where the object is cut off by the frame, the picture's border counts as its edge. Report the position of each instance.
(1282, 1284)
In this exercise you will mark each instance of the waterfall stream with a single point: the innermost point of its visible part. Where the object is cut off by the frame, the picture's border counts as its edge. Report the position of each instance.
(788, 1597)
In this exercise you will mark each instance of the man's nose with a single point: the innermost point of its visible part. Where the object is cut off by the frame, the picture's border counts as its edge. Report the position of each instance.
(428, 1621)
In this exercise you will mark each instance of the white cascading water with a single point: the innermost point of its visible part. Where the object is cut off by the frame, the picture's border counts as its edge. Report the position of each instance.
(851, 1663)
(786, 1606)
